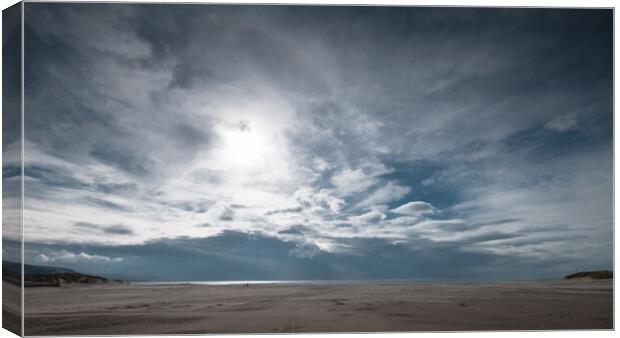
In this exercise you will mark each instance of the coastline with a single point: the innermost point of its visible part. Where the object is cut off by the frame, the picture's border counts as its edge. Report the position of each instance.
(352, 282)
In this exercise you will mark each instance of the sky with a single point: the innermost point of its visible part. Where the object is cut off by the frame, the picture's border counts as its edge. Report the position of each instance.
(229, 142)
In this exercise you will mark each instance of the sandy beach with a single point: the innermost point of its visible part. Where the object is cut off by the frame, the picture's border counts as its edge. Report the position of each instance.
(273, 308)
(11, 307)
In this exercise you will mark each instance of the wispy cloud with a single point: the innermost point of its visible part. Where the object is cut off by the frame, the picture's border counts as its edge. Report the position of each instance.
(66, 256)
(562, 123)
(416, 208)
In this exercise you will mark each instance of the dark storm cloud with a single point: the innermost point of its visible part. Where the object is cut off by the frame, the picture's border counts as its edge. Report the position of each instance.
(234, 256)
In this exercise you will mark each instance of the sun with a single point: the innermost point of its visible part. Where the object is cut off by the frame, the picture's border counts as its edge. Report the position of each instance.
(244, 148)
(250, 153)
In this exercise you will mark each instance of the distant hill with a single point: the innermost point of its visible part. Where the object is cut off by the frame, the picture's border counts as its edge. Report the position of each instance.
(39, 275)
(591, 274)
(33, 269)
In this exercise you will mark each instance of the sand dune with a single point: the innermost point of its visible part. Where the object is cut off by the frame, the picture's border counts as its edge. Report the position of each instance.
(133, 309)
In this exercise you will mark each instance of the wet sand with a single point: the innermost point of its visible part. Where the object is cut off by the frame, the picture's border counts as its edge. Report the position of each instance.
(274, 308)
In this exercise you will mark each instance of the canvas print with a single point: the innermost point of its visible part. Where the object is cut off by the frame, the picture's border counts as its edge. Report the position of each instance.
(213, 168)
(11, 170)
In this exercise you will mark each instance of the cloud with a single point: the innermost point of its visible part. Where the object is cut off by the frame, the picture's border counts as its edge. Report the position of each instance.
(305, 250)
(221, 212)
(233, 256)
(497, 222)
(405, 220)
(350, 181)
(416, 208)
(284, 211)
(562, 123)
(441, 226)
(389, 192)
(64, 256)
(243, 125)
(117, 230)
(371, 217)
(108, 204)
(275, 114)
(321, 200)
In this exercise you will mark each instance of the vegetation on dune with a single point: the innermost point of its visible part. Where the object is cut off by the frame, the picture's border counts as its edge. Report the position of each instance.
(591, 274)
(37, 275)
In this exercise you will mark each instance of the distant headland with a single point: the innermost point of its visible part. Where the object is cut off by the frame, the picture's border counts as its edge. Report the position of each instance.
(591, 274)
(38, 275)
